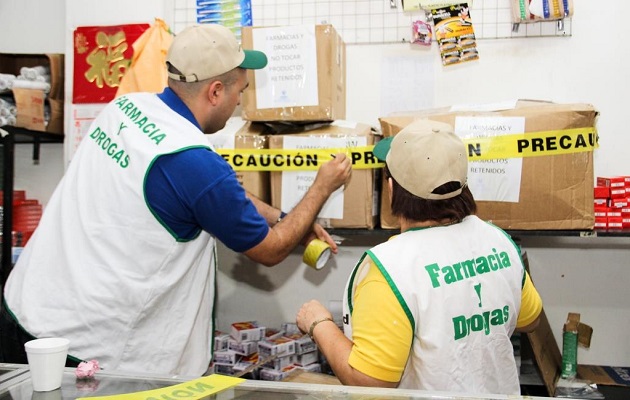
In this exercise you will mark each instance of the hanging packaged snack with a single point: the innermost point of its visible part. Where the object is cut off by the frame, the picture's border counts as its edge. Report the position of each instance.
(454, 33)
(524, 11)
(422, 33)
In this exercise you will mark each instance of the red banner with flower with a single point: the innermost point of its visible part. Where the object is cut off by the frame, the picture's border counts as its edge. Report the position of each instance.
(102, 54)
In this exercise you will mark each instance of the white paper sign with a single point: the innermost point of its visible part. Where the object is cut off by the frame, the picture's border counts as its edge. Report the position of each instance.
(498, 179)
(290, 77)
(296, 183)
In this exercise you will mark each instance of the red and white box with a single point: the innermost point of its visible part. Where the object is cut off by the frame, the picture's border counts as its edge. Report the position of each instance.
(221, 341)
(625, 217)
(601, 192)
(600, 211)
(303, 343)
(601, 223)
(307, 358)
(615, 223)
(611, 182)
(249, 331)
(243, 348)
(226, 357)
(277, 347)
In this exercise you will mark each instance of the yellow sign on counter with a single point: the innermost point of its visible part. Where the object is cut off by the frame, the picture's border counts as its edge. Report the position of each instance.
(195, 389)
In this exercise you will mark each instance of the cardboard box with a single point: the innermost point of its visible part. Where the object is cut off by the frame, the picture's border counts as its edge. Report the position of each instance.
(31, 103)
(305, 79)
(605, 375)
(241, 134)
(556, 191)
(353, 207)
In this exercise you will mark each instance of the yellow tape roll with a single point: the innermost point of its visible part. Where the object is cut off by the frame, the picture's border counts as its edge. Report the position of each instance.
(316, 254)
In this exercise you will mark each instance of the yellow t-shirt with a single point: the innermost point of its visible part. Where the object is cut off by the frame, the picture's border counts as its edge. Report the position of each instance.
(381, 331)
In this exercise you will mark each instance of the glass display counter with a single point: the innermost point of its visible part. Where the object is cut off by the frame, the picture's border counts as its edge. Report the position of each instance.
(18, 387)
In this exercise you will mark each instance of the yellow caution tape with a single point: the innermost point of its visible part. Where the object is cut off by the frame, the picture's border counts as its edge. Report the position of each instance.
(296, 160)
(530, 144)
(195, 389)
(533, 144)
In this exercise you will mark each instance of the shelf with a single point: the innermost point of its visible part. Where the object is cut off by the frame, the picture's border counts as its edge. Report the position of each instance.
(514, 233)
(23, 135)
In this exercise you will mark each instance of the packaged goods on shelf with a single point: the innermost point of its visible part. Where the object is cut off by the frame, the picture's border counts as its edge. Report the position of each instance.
(38, 90)
(248, 331)
(612, 202)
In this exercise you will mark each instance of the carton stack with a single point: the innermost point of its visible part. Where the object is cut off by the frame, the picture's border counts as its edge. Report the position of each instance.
(257, 352)
(612, 202)
(294, 106)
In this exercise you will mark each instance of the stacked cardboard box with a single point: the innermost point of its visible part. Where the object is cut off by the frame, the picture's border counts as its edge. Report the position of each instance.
(299, 102)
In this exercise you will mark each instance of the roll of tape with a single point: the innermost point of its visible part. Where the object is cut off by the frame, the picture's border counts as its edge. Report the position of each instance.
(316, 254)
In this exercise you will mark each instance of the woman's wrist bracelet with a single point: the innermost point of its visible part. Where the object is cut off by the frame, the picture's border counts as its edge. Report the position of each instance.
(315, 323)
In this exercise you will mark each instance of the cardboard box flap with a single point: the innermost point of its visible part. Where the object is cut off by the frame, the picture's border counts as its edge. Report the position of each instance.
(605, 375)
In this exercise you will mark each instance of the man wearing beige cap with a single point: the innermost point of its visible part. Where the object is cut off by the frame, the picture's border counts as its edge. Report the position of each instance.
(123, 262)
(434, 307)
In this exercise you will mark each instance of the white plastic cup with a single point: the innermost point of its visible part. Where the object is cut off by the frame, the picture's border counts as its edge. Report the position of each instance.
(47, 360)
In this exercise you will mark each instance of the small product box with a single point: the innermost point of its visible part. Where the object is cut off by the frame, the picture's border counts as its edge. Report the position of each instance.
(243, 348)
(601, 192)
(221, 341)
(307, 358)
(248, 331)
(315, 367)
(611, 182)
(267, 374)
(272, 333)
(226, 357)
(615, 223)
(303, 343)
(625, 216)
(281, 363)
(277, 347)
(290, 328)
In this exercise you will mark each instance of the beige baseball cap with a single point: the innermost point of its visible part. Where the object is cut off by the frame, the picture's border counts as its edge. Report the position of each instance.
(424, 156)
(207, 50)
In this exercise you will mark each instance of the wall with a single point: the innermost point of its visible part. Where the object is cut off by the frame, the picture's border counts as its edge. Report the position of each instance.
(585, 275)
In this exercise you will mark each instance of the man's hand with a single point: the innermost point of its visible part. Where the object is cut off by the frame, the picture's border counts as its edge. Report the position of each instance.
(333, 174)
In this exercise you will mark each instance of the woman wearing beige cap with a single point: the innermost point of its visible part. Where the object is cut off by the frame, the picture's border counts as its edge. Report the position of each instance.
(123, 262)
(434, 307)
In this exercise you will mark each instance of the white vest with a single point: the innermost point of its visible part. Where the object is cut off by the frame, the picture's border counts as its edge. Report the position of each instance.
(460, 287)
(102, 271)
